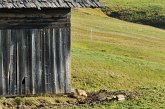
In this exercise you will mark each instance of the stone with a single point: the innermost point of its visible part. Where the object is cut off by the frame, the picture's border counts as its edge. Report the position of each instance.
(81, 92)
(76, 93)
(120, 97)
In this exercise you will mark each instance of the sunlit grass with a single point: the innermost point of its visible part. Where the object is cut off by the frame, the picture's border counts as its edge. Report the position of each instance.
(111, 54)
(116, 55)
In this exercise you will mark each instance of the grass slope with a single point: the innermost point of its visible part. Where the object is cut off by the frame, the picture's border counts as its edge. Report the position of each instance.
(136, 3)
(150, 12)
(111, 54)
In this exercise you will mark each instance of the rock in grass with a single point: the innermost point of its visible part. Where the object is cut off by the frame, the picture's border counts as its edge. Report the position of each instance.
(81, 92)
(76, 93)
(120, 97)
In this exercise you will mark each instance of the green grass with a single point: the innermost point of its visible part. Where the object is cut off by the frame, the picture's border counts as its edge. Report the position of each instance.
(150, 12)
(119, 56)
(137, 2)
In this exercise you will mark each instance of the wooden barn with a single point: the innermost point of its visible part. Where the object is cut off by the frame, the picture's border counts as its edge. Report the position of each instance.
(35, 45)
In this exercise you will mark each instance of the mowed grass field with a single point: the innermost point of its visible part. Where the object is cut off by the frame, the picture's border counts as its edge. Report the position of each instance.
(116, 55)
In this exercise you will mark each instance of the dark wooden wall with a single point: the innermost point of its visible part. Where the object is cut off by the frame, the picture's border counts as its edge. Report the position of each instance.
(35, 52)
(34, 18)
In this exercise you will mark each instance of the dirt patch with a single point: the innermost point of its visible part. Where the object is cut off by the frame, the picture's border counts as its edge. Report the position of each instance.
(93, 99)
(105, 95)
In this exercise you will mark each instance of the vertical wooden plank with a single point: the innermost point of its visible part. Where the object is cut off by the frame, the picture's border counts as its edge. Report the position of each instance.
(1, 63)
(50, 61)
(61, 61)
(33, 60)
(28, 63)
(43, 62)
(38, 62)
(14, 75)
(22, 63)
(49, 71)
(54, 63)
(13, 63)
(64, 56)
(8, 61)
(51, 58)
(18, 60)
(58, 59)
(4, 55)
(46, 61)
(67, 60)
(41, 59)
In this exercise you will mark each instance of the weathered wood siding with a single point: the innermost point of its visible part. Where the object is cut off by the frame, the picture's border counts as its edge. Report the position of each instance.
(34, 59)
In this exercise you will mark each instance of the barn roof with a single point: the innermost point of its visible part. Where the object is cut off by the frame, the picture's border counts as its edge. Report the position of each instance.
(49, 3)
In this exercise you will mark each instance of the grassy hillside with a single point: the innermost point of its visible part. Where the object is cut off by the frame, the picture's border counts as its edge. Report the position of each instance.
(135, 3)
(111, 54)
(150, 12)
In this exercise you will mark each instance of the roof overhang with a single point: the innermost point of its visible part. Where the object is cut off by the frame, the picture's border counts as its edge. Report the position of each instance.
(39, 4)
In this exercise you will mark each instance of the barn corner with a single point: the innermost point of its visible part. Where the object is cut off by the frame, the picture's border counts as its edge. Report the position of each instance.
(35, 45)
